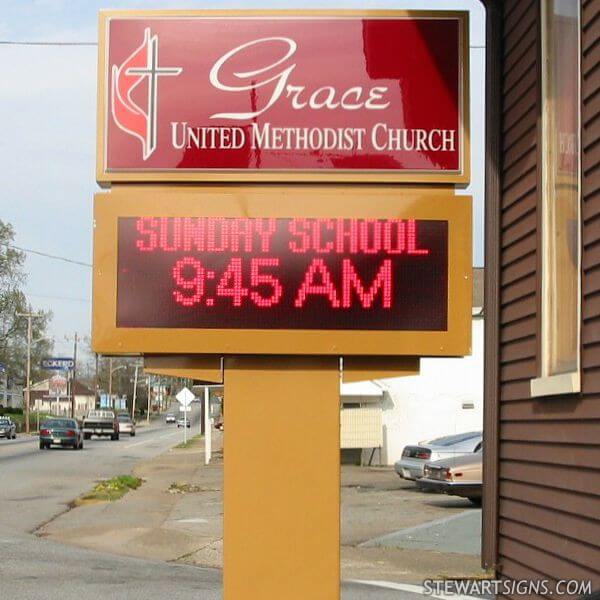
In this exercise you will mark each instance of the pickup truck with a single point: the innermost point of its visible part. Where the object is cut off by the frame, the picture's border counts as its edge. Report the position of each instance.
(101, 423)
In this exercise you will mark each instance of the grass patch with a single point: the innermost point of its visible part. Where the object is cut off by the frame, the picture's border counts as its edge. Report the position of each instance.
(190, 442)
(110, 490)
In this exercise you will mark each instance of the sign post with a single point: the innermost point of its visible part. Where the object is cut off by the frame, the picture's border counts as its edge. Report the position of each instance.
(207, 427)
(282, 478)
(185, 397)
(281, 281)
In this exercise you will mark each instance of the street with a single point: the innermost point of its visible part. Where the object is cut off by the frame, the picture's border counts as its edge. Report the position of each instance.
(40, 485)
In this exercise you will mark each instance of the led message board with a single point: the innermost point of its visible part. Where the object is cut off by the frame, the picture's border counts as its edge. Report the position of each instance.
(321, 95)
(319, 270)
(302, 273)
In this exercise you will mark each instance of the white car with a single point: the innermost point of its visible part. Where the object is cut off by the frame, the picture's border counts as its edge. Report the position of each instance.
(7, 428)
(183, 422)
(414, 458)
(170, 418)
(126, 424)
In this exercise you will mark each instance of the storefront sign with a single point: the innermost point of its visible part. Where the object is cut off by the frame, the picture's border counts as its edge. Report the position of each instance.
(307, 96)
(57, 364)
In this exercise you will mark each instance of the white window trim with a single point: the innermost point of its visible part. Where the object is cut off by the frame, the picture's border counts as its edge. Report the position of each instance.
(564, 383)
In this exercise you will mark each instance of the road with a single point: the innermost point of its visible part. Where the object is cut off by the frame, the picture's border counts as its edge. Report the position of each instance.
(38, 485)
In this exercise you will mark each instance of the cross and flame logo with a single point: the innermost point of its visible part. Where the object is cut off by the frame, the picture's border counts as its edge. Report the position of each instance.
(141, 65)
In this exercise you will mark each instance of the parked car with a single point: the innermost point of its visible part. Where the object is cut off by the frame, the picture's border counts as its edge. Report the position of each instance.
(126, 424)
(170, 418)
(61, 432)
(414, 458)
(8, 429)
(182, 422)
(456, 476)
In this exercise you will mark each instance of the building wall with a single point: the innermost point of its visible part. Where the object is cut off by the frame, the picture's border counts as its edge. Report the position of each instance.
(549, 449)
(431, 404)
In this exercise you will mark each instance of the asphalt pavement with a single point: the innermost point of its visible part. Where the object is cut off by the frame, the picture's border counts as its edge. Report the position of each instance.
(38, 485)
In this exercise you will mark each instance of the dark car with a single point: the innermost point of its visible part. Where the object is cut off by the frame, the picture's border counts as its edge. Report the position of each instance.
(8, 429)
(61, 432)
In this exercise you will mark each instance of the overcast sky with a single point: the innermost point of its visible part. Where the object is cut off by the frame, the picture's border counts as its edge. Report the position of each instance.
(48, 128)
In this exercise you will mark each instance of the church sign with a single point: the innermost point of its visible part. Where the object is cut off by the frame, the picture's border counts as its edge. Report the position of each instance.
(283, 96)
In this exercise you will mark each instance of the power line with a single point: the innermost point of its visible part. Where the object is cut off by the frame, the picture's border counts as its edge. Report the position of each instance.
(28, 43)
(72, 299)
(31, 43)
(46, 255)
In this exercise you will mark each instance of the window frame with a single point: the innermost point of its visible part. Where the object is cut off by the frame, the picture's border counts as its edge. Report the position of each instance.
(549, 384)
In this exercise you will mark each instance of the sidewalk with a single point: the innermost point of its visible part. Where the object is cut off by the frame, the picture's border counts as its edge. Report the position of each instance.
(185, 524)
(151, 522)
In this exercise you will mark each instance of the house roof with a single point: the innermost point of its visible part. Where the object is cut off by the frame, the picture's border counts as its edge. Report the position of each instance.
(361, 388)
(44, 386)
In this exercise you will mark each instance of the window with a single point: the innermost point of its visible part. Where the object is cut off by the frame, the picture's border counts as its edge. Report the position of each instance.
(561, 279)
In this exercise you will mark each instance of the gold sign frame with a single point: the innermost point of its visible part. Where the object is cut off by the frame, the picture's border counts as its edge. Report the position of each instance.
(282, 201)
(462, 176)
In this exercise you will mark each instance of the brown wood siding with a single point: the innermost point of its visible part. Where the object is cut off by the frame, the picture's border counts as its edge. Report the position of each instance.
(549, 448)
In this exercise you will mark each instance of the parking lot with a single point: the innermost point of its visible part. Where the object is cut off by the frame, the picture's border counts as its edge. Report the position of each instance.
(390, 530)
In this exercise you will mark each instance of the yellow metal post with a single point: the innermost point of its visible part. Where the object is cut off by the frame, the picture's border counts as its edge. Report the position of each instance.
(282, 478)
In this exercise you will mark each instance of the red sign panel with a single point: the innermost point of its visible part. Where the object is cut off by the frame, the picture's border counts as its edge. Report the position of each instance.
(282, 273)
(316, 96)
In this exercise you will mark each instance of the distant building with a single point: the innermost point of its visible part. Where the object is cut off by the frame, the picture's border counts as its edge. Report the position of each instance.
(445, 398)
(11, 394)
(60, 404)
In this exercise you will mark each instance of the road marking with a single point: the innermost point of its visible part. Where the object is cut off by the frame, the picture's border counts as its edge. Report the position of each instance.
(154, 439)
(193, 520)
(408, 587)
(423, 526)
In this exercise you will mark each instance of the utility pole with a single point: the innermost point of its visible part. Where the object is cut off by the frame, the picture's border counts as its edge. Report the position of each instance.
(110, 371)
(148, 387)
(28, 316)
(73, 378)
(135, 380)
(96, 385)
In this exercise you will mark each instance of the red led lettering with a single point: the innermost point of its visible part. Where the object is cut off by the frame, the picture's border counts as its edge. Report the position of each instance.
(194, 284)
(299, 228)
(216, 234)
(370, 236)
(146, 226)
(320, 225)
(394, 236)
(230, 284)
(265, 229)
(194, 234)
(352, 282)
(310, 287)
(170, 236)
(241, 228)
(346, 230)
(411, 239)
(265, 279)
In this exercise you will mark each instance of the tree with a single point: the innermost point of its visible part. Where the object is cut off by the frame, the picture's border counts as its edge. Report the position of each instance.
(13, 329)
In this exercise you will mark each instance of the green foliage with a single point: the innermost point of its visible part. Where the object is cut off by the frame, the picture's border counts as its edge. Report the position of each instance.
(13, 329)
(11, 411)
(110, 490)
